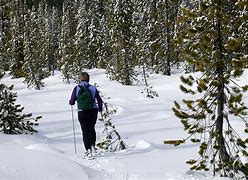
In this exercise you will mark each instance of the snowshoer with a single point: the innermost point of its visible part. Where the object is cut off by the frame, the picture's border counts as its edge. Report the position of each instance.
(86, 96)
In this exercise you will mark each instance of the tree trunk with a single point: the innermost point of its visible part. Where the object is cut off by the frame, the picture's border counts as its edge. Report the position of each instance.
(224, 156)
(220, 141)
(153, 32)
(126, 69)
(168, 39)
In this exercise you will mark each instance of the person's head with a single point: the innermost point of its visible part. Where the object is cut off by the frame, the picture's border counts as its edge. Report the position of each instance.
(84, 76)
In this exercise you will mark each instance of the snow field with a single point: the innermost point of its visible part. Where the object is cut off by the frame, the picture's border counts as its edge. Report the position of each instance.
(143, 124)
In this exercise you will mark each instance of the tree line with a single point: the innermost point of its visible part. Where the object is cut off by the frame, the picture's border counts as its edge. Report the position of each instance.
(39, 37)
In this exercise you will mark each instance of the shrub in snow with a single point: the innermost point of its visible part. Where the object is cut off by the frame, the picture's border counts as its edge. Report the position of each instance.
(112, 141)
(12, 121)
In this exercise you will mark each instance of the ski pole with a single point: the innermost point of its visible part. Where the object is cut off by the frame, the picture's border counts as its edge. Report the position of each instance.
(72, 117)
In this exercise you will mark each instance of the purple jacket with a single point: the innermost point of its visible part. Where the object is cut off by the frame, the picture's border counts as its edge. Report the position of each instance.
(94, 92)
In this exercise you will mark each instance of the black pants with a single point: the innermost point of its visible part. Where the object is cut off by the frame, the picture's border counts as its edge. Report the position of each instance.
(87, 120)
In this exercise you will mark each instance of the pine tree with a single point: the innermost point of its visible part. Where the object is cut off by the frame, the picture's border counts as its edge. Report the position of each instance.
(180, 25)
(159, 18)
(82, 37)
(35, 48)
(92, 34)
(98, 33)
(172, 9)
(12, 121)
(213, 43)
(122, 43)
(104, 47)
(166, 53)
(16, 47)
(140, 19)
(67, 42)
(6, 33)
(54, 28)
(1, 39)
(154, 34)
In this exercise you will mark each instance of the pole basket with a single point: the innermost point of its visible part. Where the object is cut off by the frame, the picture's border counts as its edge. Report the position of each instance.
(112, 142)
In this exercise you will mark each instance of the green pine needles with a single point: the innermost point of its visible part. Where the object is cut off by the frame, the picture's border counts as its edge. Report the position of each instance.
(214, 43)
(12, 121)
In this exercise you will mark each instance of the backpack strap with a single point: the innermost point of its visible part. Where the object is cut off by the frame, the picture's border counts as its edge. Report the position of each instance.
(88, 85)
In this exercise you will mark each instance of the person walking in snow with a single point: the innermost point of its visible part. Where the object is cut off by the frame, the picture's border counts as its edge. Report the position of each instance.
(86, 95)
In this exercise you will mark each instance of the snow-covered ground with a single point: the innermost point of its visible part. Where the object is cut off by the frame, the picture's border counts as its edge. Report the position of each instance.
(142, 122)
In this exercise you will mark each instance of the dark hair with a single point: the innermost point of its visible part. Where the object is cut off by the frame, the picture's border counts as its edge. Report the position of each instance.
(85, 76)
